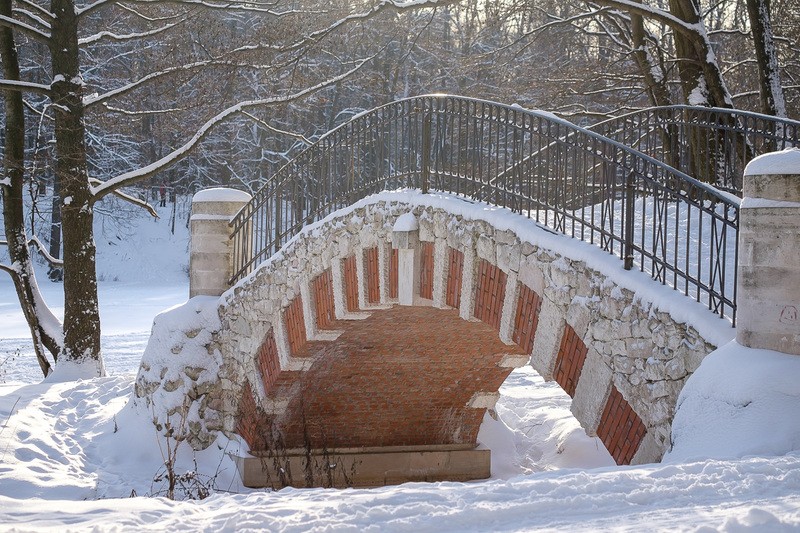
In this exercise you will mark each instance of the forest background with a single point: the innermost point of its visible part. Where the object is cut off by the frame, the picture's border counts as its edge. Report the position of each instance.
(147, 100)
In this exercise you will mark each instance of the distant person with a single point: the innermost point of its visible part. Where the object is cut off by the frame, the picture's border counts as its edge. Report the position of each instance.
(163, 191)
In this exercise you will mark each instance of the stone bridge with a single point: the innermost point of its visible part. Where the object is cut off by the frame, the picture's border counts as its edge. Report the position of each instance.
(384, 332)
(351, 336)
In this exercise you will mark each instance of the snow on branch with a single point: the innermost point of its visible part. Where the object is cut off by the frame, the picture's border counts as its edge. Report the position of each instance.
(142, 113)
(653, 13)
(383, 5)
(5, 268)
(35, 7)
(273, 129)
(178, 154)
(144, 17)
(124, 37)
(554, 22)
(130, 199)
(41, 248)
(27, 29)
(93, 99)
(33, 17)
(24, 86)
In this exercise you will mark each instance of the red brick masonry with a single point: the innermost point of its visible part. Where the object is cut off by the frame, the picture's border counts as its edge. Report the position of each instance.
(620, 429)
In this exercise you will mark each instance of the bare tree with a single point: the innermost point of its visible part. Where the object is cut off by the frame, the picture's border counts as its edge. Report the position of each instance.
(61, 28)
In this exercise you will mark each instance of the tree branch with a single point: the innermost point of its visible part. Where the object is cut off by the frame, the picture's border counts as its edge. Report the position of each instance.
(24, 86)
(42, 11)
(652, 13)
(5, 268)
(27, 29)
(130, 199)
(173, 157)
(33, 18)
(124, 37)
(273, 129)
(34, 241)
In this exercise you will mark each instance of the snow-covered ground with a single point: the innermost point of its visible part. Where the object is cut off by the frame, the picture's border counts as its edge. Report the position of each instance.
(72, 454)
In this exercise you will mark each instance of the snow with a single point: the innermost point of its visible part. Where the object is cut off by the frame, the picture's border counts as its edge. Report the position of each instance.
(72, 453)
(221, 194)
(699, 95)
(141, 264)
(736, 397)
(783, 162)
(406, 222)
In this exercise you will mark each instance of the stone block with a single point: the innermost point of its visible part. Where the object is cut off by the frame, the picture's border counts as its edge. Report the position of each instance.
(548, 338)
(592, 391)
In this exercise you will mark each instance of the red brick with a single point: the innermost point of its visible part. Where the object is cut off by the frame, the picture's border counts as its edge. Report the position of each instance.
(351, 283)
(268, 361)
(620, 429)
(426, 271)
(400, 377)
(322, 286)
(570, 360)
(295, 325)
(394, 273)
(373, 276)
(489, 293)
(455, 274)
(529, 306)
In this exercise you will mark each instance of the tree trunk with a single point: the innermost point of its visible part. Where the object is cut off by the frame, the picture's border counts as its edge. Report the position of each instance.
(655, 80)
(769, 75)
(43, 326)
(55, 272)
(81, 316)
(701, 78)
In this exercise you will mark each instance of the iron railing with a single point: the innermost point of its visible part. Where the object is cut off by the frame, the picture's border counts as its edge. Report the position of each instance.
(711, 144)
(682, 232)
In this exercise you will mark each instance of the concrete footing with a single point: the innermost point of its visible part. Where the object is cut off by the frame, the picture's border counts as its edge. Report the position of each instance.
(368, 467)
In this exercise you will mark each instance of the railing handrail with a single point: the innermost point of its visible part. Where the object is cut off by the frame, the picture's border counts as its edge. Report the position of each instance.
(381, 147)
(724, 139)
(550, 117)
(686, 107)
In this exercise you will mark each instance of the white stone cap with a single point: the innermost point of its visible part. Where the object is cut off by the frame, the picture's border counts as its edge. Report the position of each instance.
(764, 203)
(406, 222)
(775, 163)
(221, 194)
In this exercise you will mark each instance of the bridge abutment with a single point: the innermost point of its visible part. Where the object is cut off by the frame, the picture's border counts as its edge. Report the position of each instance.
(768, 296)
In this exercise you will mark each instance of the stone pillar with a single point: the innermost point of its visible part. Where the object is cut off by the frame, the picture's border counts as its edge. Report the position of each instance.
(405, 237)
(211, 249)
(768, 290)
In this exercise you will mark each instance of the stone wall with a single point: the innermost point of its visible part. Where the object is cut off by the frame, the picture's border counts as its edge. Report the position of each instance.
(623, 360)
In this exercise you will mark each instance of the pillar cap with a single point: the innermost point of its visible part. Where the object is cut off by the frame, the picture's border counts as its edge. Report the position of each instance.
(221, 194)
(773, 176)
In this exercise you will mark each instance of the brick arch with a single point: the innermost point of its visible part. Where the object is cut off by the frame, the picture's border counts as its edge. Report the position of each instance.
(376, 375)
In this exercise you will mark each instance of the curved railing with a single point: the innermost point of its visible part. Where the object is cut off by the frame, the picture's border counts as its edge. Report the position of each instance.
(711, 144)
(680, 231)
